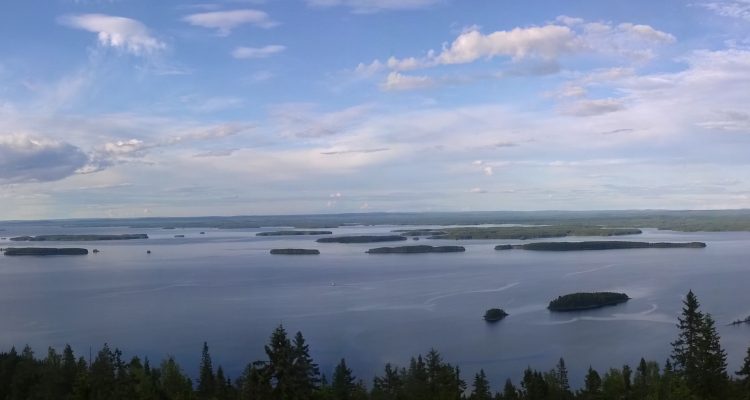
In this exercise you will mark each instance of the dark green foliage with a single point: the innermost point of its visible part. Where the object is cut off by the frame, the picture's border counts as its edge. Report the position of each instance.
(697, 353)
(206, 377)
(586, 301)
(481, 387)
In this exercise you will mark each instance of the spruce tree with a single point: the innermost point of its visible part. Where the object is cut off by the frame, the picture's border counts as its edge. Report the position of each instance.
(744, 372)
(206, 378)
(713, 362)
(509, 391)
(481, 390)
(280, 367)
(686, 349)
(305, 373)
(343, 384)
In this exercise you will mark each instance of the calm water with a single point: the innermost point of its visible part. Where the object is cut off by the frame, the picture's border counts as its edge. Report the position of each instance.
(224, 287)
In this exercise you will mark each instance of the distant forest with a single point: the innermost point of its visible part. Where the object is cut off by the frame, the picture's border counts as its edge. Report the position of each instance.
(697, 369)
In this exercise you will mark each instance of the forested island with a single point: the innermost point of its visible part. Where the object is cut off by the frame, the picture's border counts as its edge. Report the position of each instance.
(605, 245)
(416, 249)
(44, 251)
(504, 247)
(294, 233)
(586, 301)
(524, 232)
(363, 239)
(495, 314)
(78, 238)
(741, 321)
(697, 369)
(295, 252)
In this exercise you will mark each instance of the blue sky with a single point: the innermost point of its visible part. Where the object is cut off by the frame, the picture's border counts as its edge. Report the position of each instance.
(131, 108)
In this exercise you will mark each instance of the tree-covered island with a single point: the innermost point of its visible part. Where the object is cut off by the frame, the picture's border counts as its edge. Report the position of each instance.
(416, 249)
(586, 301)
(495, 314)
(296, 252)
(44, 251)
(78, 238)
(363, 239)
(294, 233)
(606, 245)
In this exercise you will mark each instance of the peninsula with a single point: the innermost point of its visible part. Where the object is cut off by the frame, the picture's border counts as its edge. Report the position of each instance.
(416, 249)
(586, 301)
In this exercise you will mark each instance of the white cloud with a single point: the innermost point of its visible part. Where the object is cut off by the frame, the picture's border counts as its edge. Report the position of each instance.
(257, 52)
(488, 170)
(477, 190)
(548, 42)
(372, 6)
(25, 158)
(534, 50)
(398, 81)
(119, 32)
(225, 21)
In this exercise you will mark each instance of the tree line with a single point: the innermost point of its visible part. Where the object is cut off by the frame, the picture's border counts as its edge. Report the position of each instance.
(696, 370)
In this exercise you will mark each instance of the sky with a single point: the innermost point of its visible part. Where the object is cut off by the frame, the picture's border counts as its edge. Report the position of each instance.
(137, 108)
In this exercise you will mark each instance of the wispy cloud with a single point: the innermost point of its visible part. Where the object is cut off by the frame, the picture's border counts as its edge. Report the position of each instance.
(257, 52)
(122, 33)
(226, 21)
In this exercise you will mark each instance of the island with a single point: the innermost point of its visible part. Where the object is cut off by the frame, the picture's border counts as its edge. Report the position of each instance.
(78, 238)
(363, 239)
(295, 252)
(607, 245)
(416, 249)
(44, 251)
(504, 247)
(294, 233)
(523, 232)
(495, 314)
(586, 301)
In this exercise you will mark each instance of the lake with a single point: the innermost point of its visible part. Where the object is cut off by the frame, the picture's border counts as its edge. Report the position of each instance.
(225, 288)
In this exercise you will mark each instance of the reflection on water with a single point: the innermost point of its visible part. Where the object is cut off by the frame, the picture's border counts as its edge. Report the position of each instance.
(225, 288)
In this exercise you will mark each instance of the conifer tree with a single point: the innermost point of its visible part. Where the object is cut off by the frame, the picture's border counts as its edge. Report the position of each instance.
(305, 373)
(481, 390)
(509, 391)
(206, 377)
(686, 349)
(343, 384)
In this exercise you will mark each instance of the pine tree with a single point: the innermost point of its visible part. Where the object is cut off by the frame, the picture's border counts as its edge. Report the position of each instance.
(481, 387)
(592, 385)
(562, 375)
(255, 383)
(206, 378)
